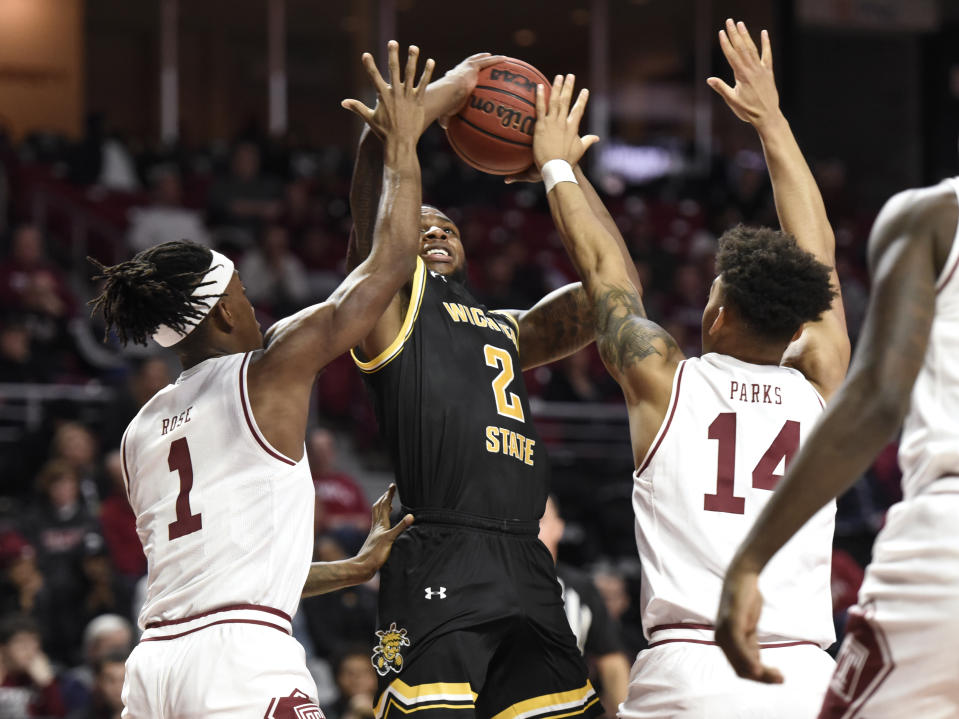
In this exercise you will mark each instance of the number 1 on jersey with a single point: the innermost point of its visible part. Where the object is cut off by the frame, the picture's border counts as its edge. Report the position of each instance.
(179, 461)
(508, 405)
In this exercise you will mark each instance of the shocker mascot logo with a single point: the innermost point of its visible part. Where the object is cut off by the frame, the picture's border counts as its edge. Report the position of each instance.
(386, 654)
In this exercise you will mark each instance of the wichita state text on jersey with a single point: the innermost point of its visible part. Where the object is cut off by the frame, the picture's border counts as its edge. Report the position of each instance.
(452, 404)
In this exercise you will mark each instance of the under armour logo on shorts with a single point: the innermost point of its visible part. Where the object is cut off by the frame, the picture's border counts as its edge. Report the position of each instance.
(441, 593)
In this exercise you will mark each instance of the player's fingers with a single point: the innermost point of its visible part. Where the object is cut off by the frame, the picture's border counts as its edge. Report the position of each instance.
(394, 63)
(732, 32)
(767, 56)
(400, 527)
(579, 107)
(721, 88)
(490, 61)
(425, 80)
(589, 140)
(554, 95)
(748, 45)
(412, 56)
(359, 108)
(770, 675)
(566, 95)
(374, 72)
(540, 101)
(729, 52)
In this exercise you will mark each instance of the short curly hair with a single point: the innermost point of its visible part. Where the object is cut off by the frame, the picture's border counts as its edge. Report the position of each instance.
(774, 284)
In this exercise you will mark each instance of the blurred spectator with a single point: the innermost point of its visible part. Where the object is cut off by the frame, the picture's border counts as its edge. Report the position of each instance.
(106, 701)
(597, 634)
(28, 686)
(106, 636)
(148, 377)
(847, 576)
(58, 526)
(22, 587)
(341, 503)
(614, 590)
(17, 363)
(119, 525)
(166, 219)
(76, 445)
(572, 380)
(29, 281)
(244, 200)
(274, 277)
(356, 681)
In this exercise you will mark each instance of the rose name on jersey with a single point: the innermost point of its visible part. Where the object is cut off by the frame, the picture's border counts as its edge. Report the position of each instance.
(478, 318)
(755, 393)
(176, 421)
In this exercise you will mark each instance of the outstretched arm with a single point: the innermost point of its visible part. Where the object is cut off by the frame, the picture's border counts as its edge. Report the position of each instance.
(329, 576)
(639, 354)
(867, 410)
(300, 345)
(443, 98)
(822, 351)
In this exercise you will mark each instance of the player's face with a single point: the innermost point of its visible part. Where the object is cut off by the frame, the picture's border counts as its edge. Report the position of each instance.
(440, 247)
(711, 311)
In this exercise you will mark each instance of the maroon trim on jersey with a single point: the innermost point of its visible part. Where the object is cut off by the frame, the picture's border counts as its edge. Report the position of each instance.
(672, 412)
(126, 472)
(249, 420)
(230, 608)
(955, 265)
(681, 625)
(213, 624)
(714, 644)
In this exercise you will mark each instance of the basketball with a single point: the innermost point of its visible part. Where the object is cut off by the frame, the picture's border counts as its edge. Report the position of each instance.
(494, 130)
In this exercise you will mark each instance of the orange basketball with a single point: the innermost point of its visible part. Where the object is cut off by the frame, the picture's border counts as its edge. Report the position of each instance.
(494, 130)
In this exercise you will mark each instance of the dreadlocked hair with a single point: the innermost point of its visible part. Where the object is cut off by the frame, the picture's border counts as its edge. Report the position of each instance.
(773, 283)
(154, 288)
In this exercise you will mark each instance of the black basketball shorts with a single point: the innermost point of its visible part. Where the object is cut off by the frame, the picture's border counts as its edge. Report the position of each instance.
(471, 623)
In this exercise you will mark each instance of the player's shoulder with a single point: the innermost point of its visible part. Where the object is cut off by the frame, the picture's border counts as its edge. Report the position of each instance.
(938, 202)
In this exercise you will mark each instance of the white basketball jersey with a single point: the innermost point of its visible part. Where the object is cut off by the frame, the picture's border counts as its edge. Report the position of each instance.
(730, 430)
(225, 519)
(929, 447)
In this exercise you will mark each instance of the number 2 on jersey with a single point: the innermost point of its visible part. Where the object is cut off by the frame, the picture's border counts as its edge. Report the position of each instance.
(508, 405)
(783, 448)
(179, 461)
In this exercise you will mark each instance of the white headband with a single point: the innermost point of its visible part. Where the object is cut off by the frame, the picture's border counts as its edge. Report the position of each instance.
(214, 283)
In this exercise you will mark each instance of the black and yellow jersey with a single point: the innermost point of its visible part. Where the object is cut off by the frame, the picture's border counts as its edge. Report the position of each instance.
(451, 403)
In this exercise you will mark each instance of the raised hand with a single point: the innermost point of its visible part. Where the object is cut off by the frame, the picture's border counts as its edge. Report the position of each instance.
(556, 135)
(376, 548)
(400, 108)
(739, 607)
(458, 84)
(754, 99)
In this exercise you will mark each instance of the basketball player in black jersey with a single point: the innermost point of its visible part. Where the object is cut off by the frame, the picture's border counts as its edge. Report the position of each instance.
(471, 619)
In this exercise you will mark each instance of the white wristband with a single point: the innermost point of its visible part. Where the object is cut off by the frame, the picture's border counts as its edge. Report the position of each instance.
(556, 171)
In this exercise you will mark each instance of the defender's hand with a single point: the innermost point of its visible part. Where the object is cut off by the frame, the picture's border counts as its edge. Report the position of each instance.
(739, 607)
(556, 135)
(459, 83)
(399, 109)
(754, 99)
(376, 548)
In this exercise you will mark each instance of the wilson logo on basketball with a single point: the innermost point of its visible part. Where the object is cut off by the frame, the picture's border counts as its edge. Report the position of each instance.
(509, 117)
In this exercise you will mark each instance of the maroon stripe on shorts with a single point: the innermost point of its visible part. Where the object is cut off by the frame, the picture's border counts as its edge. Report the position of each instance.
(213, 624)
(230, 608)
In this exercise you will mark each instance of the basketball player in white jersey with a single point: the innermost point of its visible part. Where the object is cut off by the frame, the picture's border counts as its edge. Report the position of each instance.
(711, 434)
(900, 656)
(215, 466)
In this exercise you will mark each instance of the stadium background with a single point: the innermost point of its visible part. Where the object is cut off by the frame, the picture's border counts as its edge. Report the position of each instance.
(127, 123)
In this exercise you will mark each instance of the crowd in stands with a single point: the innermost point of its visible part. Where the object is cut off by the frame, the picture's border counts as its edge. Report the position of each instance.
(71, 568)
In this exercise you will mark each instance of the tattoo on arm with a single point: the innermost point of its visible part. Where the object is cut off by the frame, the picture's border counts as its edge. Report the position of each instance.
(364, 197)
(623, 334)
(565, 326)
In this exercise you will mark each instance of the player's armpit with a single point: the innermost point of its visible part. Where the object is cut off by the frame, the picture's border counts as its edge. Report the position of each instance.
(555, 327)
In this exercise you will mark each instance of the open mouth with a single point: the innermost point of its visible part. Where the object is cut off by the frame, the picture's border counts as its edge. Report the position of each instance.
(437, 254)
